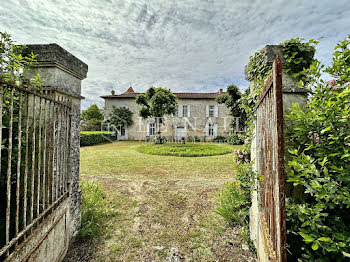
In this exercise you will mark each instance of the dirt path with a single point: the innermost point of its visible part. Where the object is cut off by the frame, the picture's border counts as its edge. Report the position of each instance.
(163, 220)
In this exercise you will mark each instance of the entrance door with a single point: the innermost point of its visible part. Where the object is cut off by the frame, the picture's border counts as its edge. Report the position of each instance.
(180, 133)
(123, 133)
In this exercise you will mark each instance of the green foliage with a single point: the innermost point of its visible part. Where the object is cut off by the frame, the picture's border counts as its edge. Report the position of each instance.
(318, 138)
(235, 198)
(341, 62)
(91, 125)
(13, 63)
(233, 205)
(156, 103)
(185, 150)
(91, 118)
(89, 138)
(298, 56)
(120, 116)
(92, 113)
(231, 100)
(220, 139)
(236, 139)
(94, 210)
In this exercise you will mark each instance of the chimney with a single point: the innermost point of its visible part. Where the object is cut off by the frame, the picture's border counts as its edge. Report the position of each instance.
(113, 93)
(221, 91)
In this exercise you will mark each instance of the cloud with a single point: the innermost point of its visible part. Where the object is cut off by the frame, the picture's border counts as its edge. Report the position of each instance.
(182, 45)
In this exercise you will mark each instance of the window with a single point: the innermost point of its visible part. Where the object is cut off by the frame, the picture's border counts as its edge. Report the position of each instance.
(184, 111)
(122, 130)
(211, 129)
(152, 129)
(211, 111)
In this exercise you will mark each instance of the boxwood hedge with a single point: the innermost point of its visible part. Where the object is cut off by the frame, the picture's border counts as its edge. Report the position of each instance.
(89, 138)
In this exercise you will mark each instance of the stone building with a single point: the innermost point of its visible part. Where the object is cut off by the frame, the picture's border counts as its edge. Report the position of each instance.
(199, 116)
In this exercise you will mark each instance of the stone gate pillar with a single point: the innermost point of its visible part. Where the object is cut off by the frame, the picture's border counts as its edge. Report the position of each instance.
(62, 73)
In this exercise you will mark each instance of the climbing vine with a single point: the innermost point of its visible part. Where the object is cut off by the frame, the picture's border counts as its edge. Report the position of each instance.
(298, 56)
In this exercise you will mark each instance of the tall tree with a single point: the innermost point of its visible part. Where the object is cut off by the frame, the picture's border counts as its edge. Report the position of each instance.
(92, 118)
(120, 117)
(92, 113)
(156, 103)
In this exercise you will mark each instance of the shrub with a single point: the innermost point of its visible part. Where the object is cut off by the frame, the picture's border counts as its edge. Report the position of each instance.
(88, 138)
(236, 139)
(318, 138)
(220, 139)
(94, 210)
(91, 125)
(233, 205)
(235, 198)
(241, 156)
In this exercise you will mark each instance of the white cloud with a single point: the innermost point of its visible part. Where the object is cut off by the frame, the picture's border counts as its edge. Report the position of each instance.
(183, 45)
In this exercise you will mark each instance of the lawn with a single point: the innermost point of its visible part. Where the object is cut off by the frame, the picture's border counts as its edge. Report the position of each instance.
(164, 206)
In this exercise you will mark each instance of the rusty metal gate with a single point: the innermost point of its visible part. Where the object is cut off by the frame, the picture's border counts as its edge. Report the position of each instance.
(270, 165)
(35, 160)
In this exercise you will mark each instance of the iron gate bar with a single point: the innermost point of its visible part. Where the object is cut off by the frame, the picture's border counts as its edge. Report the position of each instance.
(33, 165)
(43, 181)
(18, 163)
(29, 91)
(5, 249)
(8, 190)
(39, 161)
(26, 164)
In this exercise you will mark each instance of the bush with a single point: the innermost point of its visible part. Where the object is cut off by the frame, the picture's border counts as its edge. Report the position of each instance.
(91, 125)
(94, 210)
(235, 198)
(318, 138)
(88, 138)
(236, 139)
(233, 205)
(220, 139)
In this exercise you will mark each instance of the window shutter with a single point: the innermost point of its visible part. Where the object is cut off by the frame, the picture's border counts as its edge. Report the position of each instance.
(188, 111)
(206, 130)
(215, 130)
(207, 111)
(147, 129)
(180, 112)
(216, 113)
(126, 133)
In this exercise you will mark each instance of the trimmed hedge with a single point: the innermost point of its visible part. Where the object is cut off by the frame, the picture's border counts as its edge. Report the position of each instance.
(89, 138)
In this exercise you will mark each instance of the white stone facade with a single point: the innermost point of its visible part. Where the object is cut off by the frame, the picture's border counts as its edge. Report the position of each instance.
(199, 116)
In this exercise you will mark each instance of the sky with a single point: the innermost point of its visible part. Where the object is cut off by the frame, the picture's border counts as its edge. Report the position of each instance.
(186, 46)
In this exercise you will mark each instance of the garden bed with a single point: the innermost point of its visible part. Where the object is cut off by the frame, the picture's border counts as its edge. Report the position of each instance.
(185, 150)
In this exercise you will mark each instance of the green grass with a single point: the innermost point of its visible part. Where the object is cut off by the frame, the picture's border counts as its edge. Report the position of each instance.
(122, 160)
(185, 150)
(165, 201)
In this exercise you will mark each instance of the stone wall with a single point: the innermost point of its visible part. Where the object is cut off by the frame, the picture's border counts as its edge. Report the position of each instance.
(62, 73)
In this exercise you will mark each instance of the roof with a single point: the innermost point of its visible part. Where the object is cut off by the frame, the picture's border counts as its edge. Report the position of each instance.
(131, 94)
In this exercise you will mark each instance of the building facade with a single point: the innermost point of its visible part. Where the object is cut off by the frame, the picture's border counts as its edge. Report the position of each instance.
(199, 116)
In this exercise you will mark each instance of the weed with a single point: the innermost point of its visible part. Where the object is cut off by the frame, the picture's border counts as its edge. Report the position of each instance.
(94, 210)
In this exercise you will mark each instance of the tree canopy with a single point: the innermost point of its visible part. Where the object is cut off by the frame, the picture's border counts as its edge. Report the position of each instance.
(92, 113)
(231, 99)
(157, 102)
(120, 116)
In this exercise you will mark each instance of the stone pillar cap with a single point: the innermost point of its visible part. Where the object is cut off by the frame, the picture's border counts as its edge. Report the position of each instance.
(49, 55)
